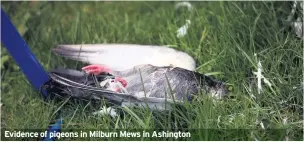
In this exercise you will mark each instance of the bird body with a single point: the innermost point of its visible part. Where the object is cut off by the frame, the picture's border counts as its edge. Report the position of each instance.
(148, 81)
(140, 75)
(121, 57)
(167, 81)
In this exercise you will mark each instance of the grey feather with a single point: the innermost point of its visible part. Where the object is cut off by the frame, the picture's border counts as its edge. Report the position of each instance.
(165, 82)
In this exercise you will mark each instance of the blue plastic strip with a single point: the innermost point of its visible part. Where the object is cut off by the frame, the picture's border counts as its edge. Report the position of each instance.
(22, 54)
(52, 130)
(26, 60)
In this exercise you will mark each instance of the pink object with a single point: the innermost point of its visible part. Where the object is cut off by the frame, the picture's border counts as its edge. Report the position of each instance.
(122, 81)
(98, 69)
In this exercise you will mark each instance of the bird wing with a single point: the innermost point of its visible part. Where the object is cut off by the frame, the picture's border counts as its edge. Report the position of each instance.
(125, 56)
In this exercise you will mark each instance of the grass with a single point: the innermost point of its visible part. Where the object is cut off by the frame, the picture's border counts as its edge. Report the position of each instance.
(227, 39)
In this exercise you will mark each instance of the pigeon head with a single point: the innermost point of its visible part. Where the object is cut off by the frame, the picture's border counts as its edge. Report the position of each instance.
(217, 89)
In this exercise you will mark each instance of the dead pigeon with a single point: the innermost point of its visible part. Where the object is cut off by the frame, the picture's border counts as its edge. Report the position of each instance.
(159, 82)
(143, 85)
(121, 57)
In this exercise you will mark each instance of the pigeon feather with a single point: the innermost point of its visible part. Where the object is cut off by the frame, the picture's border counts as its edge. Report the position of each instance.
(121, 57)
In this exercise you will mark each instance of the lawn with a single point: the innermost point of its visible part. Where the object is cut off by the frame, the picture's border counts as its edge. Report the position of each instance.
(227, 39)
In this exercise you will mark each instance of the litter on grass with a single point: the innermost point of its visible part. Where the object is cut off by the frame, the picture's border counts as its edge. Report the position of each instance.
(182, 31)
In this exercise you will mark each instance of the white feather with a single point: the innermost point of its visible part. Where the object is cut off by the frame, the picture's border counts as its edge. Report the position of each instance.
(182, 31)
(120, 57)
